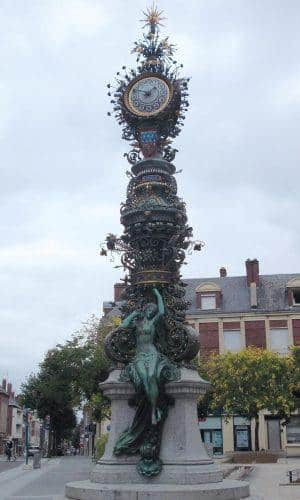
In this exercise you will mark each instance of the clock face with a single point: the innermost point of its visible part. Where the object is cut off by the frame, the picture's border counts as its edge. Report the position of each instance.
(148, 96)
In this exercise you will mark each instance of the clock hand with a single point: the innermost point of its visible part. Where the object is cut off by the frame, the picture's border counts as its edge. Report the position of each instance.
(148, 92)
(145, 92)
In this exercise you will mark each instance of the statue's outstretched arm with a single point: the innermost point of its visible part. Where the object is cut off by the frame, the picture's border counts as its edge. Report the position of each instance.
(160, 304)
(126, 322)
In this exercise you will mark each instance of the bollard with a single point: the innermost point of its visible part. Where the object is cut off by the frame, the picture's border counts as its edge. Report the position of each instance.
(37, 460)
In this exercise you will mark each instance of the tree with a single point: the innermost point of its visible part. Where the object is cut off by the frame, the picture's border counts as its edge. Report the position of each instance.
(68, 377)
(95, 366)
(295, 352)
(76, 437)
(51, 392)
(249, 381)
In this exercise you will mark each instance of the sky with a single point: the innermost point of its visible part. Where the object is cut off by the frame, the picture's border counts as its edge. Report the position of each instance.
(62, 170)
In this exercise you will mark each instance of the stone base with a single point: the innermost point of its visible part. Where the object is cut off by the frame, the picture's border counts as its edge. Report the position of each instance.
(172, 473)
(185, 460)
(225, 490)
(188, 472)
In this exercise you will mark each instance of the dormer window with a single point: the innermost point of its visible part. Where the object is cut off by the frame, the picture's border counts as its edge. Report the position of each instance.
(208, 301)
(296, 297)
(208, 296)
(293, 288)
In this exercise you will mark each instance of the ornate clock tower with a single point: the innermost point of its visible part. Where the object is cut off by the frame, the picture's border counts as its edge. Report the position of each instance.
(149, 103)
(154, 448)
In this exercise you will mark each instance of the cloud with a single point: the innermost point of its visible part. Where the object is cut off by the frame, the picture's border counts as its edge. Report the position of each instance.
(62, 169)
(74, 18)
(287, 93)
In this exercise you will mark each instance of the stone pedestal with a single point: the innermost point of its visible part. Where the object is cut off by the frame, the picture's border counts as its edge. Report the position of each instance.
(188, 472)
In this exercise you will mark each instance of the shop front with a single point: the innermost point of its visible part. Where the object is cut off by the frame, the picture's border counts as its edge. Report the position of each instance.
(242, 434)
(293, 437)
(211, 433)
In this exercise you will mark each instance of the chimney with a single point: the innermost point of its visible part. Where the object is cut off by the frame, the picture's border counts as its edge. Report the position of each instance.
(252, 271)
(4, 384)
(118, 289)
(223, 272)
(9, 387)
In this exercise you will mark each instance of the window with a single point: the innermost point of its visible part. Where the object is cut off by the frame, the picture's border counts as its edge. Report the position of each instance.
(293, 430)
(214, 438)
(208, 301)
(232, 340)
(293, 291)
(208, 296)
(296, 297)
(242, 433)
(211, 433)
(279, 340)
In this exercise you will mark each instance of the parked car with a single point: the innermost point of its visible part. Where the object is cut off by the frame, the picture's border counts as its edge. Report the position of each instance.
(60, 451)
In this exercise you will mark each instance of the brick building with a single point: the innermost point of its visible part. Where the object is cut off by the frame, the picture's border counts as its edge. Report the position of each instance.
(230, 313)
(4, 398)
(14, 421)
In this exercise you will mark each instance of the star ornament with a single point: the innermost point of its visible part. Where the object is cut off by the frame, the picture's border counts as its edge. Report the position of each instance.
(153, 17)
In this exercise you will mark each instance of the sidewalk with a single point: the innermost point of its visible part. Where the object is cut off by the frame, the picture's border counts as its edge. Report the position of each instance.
(16, 479)
(265, 480)
(46, 483)
(3, 458)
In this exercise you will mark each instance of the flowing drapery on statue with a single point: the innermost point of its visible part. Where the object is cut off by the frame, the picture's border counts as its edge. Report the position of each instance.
(148, 371)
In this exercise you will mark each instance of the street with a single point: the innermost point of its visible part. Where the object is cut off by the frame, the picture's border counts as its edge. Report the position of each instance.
(5, 465)
(266, 480)
(47, 483)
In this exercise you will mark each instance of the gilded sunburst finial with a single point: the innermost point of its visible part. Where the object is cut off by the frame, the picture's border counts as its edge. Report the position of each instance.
(153, 18)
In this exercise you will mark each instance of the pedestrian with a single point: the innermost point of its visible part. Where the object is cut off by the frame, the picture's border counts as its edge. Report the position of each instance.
(8, 449)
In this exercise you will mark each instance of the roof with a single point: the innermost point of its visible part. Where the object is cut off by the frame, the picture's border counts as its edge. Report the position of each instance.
(271, 294)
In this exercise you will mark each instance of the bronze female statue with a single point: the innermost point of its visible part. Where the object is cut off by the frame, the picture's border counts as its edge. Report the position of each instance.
(145, 367)
(148, 371)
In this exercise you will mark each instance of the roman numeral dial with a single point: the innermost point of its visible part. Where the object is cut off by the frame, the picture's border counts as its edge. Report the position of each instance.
(148, 96)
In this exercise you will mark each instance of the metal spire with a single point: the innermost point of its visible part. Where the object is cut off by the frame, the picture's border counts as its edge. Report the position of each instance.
(153, 18)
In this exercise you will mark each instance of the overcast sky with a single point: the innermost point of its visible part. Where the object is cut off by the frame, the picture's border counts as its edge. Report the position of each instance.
(62, 166)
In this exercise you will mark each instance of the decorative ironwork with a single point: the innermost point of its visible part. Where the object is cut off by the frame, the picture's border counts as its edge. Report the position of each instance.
(154, 244)
(155, 61)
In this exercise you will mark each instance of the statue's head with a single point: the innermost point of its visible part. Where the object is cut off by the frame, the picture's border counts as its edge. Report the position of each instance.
(150, 310)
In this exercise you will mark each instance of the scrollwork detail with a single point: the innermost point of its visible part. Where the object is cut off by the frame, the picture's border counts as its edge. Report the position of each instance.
(133, 156)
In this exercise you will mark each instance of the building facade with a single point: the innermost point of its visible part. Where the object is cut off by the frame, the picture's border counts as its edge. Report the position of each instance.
(4, 398)
(14, 421)
(231, 313)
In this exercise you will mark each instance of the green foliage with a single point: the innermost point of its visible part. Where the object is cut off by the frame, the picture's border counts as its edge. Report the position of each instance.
(295, 353)
(251, 380)
(100, 406)
(100, 446)
(247, 382)
(68, 376)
